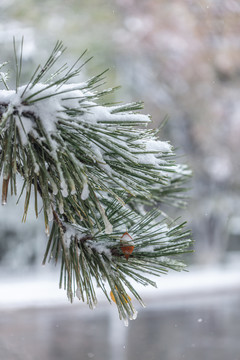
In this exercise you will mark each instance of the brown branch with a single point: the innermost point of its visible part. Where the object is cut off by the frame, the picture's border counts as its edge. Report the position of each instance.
(58, 221)
(5, 190)
(85, 238)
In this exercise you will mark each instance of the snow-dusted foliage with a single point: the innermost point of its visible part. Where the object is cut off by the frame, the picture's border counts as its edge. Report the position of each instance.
(92, 165)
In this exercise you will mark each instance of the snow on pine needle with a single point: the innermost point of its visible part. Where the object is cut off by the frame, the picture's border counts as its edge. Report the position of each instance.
(92, 166)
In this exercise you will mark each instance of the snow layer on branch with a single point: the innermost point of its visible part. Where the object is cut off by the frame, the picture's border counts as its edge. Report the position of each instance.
(85, 190)
(75, 231)
(101, 114)
(9, 97)
(49, 102)
(157, 146)
(152, 150)
(100, 246)
(182, 170)
(56, 114)
(44, 100)
(72, 232)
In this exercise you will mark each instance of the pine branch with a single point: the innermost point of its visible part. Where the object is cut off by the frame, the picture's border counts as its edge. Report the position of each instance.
(92, 166)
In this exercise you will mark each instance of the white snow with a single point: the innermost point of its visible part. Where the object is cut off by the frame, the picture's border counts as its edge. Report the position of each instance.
(158, 146)
(106, 168)
(85, 190)
(3, 76)
(36, 168)
(59, 53)
(148, 159)
(64, 188)
(108, 225)
(24, 128)
(61, 207)
(47, 109)
(54, 101)
(182, 169)
(152, 151)
(71, 232)
(54, 187)
(126, 238)
(151, 145)
(100, 247)
(78, 293)
(50, 214)
(98, 152)
(134, 315)
(10, 97)
(48, 103)
(103, 114)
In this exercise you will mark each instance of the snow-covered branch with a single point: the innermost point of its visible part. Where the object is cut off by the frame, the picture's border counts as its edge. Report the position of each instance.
(94, 167)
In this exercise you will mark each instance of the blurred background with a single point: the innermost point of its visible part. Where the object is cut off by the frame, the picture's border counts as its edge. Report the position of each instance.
(181, 58)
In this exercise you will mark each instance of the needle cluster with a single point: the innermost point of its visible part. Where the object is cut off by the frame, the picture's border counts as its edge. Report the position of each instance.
(92, 168)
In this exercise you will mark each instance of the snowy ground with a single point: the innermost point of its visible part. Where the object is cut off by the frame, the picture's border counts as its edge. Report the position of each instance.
(41, 289)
